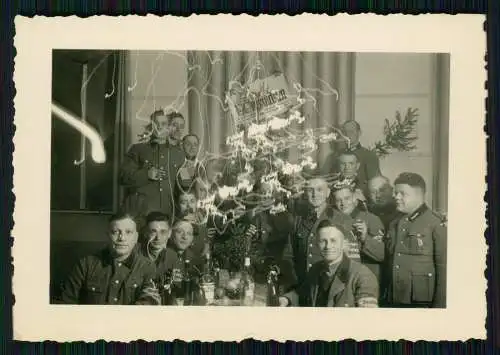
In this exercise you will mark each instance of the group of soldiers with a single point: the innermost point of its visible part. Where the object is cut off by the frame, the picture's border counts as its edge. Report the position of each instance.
(358, 241)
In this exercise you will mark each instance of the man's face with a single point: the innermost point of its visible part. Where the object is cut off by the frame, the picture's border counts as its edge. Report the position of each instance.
(176, 128)
(123, 236)
(158, 234)
(160, 126)
(317, 192)
(330, 243)
(408, 198)
(190, 145)
(348, 165)
(380, 192)
(182, 235)
(187, 204)
(350, 130)
(345, 200)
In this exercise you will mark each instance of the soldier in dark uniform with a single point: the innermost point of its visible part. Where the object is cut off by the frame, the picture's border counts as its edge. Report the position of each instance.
(369, 165)
(150, 168)
(302, 251)
(118, 275)
(381, 201)
(368, 246)
(416, 248)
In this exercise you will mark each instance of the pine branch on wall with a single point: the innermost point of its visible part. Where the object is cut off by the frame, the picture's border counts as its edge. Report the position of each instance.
(399, 135)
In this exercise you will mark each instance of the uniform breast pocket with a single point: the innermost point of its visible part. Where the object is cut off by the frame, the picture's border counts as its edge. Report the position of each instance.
(132, 291)
(419, 243)
(422, 287)
(94, 293)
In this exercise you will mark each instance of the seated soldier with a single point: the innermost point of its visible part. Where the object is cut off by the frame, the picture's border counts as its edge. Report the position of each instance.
(116, 275)
(367, 231)
(187, 210)
(156, 235)
(336, 280)
(179, 249)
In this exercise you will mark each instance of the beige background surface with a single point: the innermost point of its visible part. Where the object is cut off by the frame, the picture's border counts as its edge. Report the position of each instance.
(461, 35)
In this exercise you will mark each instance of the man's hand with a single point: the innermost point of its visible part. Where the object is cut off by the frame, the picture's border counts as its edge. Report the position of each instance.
(361, 229)
(156, 174)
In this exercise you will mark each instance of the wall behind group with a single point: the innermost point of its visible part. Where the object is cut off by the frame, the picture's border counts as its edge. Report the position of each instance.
(390, 82)
(156, 79)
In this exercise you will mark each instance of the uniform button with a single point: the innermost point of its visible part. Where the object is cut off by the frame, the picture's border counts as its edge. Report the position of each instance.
(117, 282)
(309, 265)
(346, 305)
(115, 299)
(161, 189)
(162, 156)
(119, 264)
(397, 266)
(93, 288)
(399, 254)
(310, 245)
(310, 255)
(404, 229)
(402, 242)
(430, 275)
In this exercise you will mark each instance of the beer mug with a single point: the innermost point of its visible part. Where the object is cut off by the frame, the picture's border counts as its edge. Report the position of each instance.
(209, 290)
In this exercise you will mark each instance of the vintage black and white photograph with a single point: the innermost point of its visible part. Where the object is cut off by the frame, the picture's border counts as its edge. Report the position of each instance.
(249, 178)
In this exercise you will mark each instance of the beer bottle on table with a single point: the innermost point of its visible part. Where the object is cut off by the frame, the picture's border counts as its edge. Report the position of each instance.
(272, 288)
(187, 291)
(247, 285)
(207, 283)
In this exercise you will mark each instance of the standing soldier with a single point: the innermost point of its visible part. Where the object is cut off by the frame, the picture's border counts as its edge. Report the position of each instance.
(150, 167)
(416, 249)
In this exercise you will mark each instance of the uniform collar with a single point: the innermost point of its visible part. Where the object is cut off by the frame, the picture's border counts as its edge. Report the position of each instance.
(109, 259)
(418, 212)
(340, 270)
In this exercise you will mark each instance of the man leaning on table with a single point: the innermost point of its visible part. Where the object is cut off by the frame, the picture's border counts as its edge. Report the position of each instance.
(337, 280)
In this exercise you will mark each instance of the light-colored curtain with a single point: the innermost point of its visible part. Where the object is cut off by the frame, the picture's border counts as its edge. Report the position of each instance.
(318, 73)
(441, 132)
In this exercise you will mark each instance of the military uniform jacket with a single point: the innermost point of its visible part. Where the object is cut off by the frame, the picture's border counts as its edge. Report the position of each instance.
(353, 285)
(144, 195)
(303, 249)
(416, 249)
(99, 279)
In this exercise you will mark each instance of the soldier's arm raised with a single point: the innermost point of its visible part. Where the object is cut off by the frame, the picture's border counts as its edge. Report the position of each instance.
(439, 237)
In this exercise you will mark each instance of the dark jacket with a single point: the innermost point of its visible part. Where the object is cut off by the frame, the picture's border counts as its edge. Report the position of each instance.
(99, 279)
(352, 285)
(144, 195)
(387, 214)
(416, 248)
(369, 164)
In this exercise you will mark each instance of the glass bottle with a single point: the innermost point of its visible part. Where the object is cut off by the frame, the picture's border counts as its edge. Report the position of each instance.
(187, 291)
(247, 285)
(207, 283)
(272, 288)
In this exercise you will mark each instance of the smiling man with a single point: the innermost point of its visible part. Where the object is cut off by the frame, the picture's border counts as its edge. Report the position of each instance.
(336, 280)
(116, 275)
